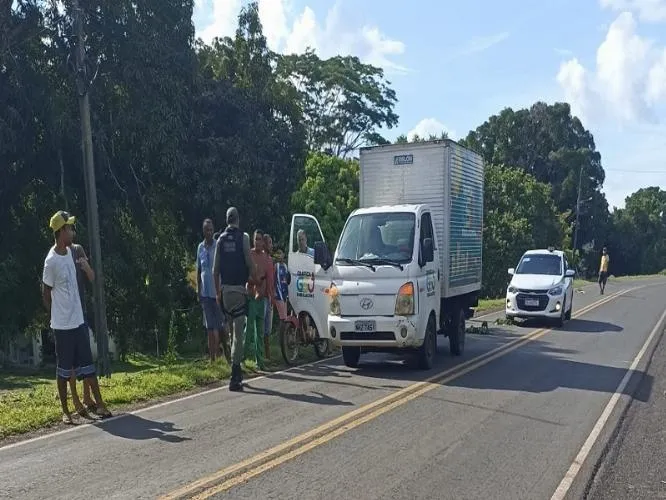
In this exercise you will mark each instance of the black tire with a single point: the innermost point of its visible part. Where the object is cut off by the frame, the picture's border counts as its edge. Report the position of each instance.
(428, 350)
(567, 316)
(288, 343)
(457, 333)
(351, 356)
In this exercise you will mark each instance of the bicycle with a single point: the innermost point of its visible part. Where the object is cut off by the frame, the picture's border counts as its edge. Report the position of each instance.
(299, 331)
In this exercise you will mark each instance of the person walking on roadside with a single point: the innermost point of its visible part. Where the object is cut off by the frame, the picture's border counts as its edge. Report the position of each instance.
(206, 292)
(232, 268)
(270, 294)
(257, 288)
(603, 270)
(60, 294)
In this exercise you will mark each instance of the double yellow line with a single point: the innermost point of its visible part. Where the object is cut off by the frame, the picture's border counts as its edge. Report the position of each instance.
(241, 472)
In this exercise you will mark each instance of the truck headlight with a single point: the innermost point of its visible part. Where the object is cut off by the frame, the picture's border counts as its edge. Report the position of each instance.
(555, 291)
(404, 302)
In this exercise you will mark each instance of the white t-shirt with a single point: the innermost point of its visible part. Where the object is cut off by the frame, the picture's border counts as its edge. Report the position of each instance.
(60, 275)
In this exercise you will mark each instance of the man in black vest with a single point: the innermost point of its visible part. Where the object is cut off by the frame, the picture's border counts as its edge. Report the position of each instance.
(231, 270)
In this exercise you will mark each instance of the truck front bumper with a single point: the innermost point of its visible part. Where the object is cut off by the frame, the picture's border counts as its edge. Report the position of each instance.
(374, 331)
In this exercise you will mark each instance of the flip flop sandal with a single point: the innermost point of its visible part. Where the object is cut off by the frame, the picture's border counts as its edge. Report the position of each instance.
(68, 420)
(103, 413)
(91, 408)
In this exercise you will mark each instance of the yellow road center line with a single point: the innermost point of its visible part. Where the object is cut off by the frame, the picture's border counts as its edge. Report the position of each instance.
(338, 426)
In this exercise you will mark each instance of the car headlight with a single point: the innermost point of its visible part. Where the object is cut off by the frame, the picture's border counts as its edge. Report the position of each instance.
(404, 303)
(555, 291)
(512, 289)
(334, 304)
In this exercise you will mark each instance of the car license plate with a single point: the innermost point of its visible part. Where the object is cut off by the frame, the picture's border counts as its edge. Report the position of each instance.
(365, 326)
(532, 302)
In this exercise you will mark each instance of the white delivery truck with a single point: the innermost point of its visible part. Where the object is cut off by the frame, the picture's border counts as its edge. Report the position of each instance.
(408, 262)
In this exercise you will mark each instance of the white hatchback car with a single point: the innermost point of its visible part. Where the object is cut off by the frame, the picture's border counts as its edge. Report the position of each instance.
(541, 287)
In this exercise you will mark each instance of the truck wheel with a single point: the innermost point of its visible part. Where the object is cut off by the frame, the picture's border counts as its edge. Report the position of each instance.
(351, 355)
(428, 350)
(457, 333)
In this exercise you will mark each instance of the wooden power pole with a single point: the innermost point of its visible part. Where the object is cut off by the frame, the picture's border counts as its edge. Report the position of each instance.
(83, 82)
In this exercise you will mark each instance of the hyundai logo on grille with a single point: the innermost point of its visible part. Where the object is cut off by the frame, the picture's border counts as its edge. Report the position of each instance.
(366, 304)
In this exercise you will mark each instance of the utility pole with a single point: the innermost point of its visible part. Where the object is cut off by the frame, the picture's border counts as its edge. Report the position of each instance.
(580, 185)
(83, 82)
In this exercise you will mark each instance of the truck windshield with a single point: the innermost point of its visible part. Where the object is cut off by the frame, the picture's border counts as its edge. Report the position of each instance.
(540, 264)
(377, 237)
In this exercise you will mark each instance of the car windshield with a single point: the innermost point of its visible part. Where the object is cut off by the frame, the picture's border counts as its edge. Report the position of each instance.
(540, 264)
(378, 237)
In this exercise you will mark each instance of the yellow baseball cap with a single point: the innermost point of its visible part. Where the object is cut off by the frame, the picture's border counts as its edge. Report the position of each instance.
(61, 219)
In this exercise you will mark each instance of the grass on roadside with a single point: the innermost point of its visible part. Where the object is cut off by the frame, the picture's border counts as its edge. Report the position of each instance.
(29, 399)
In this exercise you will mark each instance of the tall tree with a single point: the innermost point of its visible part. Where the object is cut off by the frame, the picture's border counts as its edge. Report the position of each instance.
(637, 243)
(330, 192)
(519, 214)
(549, 143)
(252, 142)
(345, 102)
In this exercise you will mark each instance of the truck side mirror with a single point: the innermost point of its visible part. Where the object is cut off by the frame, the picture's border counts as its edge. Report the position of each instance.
(322, 255)
(428, 250)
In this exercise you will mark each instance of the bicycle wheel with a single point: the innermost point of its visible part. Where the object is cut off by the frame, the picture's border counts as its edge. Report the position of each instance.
(288, 342)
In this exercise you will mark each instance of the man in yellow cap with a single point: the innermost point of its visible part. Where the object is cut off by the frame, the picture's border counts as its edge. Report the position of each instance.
(60, 293)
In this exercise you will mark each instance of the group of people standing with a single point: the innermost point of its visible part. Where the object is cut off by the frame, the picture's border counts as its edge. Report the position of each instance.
(239, 286)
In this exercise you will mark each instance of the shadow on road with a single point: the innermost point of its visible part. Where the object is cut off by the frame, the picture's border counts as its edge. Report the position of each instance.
(314, 397)
(536, 367)
(589, 326)
(136, 428)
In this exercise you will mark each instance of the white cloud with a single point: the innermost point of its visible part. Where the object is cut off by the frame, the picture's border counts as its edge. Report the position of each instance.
(626, 83)
(648, 10)
(656, 85)
(430, 126)
(223, 17)
(573, 79)
(291, 32)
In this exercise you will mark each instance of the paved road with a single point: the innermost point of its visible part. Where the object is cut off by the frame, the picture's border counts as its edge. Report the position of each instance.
(504, 421)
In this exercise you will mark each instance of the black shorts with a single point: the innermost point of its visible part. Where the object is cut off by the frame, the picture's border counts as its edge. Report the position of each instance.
(603, 278)
(73, 353)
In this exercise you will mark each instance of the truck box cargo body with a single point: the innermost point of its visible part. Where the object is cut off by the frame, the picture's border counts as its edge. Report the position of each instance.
(449, 179)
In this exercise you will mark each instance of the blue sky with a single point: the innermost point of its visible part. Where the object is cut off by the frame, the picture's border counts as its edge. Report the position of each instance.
(453, 64)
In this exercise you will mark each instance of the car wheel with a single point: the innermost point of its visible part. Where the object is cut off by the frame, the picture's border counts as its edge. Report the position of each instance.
(570, 311)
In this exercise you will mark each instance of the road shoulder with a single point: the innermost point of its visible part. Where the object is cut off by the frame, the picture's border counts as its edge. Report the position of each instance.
(634, 463)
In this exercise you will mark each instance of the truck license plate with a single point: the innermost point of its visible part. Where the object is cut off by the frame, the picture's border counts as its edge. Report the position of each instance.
(365, 326)
(532, 302)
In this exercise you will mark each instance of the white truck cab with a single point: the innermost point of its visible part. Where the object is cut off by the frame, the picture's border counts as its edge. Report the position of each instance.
(385, 291)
